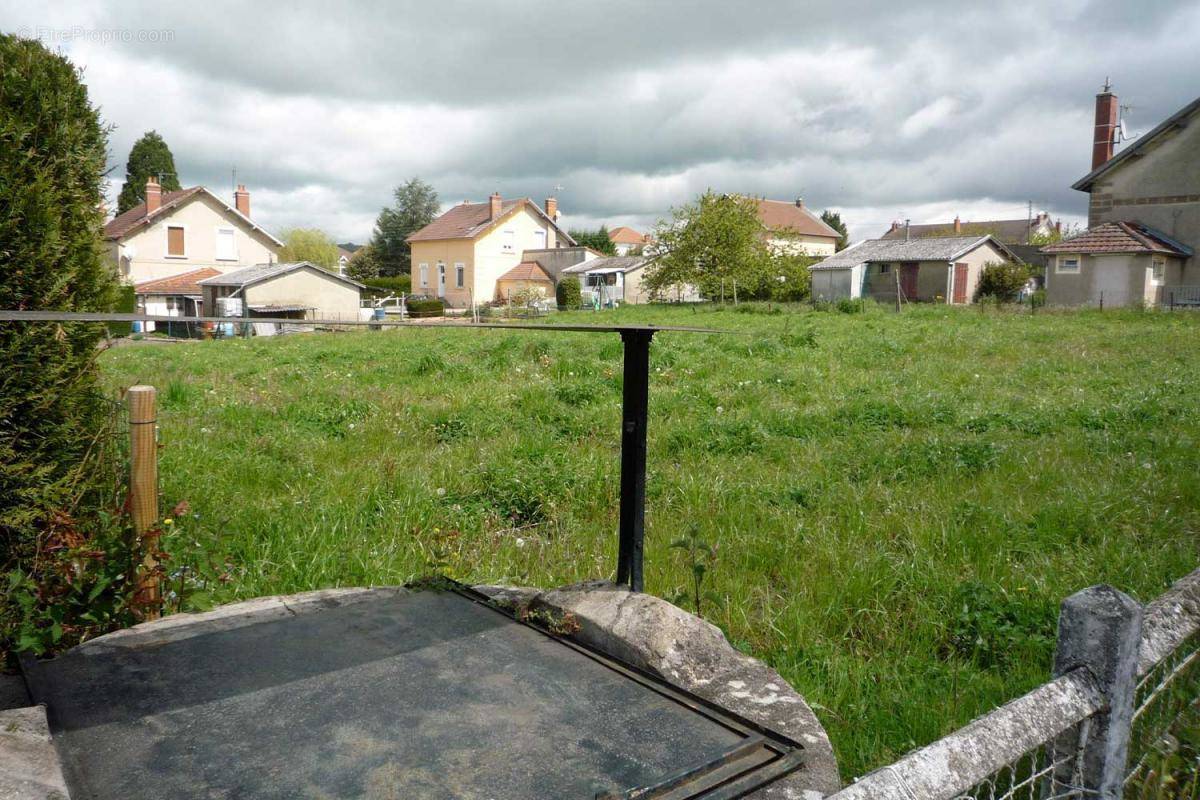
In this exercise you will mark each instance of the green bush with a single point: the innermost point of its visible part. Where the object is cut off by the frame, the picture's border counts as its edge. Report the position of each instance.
(432, 307)
(394, 284)
(54, 461)
(1003, 281)
(568, 293)
(126, 303)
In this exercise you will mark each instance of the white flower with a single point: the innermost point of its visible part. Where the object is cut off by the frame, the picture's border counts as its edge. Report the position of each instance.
(351, 426)
(441, 491)
(520, 542)
(719, 409)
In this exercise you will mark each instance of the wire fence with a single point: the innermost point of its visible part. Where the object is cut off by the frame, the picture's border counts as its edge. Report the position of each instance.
(1125, 722)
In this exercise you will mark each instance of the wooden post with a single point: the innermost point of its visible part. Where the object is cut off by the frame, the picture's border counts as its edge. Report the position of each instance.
(896, 272)
(143, 495)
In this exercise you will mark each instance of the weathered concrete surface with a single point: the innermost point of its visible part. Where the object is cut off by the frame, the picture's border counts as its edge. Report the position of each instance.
(1169, 620)
(656, 636)
(29, 766)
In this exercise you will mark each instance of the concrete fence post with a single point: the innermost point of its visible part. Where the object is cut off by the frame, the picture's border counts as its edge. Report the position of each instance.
(1100, 629)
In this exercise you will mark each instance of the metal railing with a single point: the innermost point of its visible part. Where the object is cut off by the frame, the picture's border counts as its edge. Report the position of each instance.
(1128, 686)
(1181, 296)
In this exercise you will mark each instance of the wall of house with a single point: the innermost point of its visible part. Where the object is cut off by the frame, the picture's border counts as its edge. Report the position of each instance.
(1123, 279)
(449, 252)
(932, 281)
(1160, 188)
(835, 284)
(312, 287)
(976, 260)
(637, 293)
(507, 288)
(801, 244)
(201, 218)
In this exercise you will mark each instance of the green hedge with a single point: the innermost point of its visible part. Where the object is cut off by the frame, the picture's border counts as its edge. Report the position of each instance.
(396, 284)
(568, 293)
(426, 308)
(126, 304)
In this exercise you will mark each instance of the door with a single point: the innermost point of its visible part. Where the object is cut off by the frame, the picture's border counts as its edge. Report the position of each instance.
(441, 280)
(1112, 276)
(960, 283)
(908, 280)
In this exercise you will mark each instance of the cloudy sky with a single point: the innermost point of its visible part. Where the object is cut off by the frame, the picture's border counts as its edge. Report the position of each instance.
(623, 109)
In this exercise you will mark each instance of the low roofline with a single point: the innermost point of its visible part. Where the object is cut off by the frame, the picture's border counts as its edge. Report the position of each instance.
(284, 269)
(179, 203)
(1084, 184)
(520, 203)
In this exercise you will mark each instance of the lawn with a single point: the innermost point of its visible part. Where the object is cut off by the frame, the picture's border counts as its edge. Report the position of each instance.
(899, 502)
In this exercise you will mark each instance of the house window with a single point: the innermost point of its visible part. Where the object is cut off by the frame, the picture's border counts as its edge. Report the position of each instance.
(226, 244)
(172, 304)
(1158, 270)
(539, 240)
(509, 242)
(175, 242)
(460, 274)
(884, 269)
(424, 275)
(1068, 265)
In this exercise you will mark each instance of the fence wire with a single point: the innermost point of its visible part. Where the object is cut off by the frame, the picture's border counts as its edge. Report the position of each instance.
(1166, 726)
(1050, 771)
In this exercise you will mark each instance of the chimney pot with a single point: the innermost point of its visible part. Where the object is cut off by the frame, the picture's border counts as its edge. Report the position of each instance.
(799, 202)
(895, 225)
(494, 206)
(153, 195)
(552, 208)
(1058, 227)
(957, 224)
(241, 200)
(1107, 110)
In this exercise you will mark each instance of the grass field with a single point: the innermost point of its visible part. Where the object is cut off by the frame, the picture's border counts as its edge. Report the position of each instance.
(899, 502)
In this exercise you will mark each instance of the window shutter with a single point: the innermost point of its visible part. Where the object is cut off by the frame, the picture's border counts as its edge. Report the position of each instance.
(175, 241)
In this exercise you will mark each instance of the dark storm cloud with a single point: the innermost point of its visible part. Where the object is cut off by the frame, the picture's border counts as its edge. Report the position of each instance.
(627, 108)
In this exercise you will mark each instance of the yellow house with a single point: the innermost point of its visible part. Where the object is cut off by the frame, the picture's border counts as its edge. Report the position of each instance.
(462, 255)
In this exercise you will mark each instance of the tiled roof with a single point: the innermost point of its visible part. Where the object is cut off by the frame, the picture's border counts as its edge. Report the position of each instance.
(122, 224)
(469, 220)
(261, 272)
(526, 271)
(624, 235)
(1120, 237)
(781, 214)
(945, 248)
(182, 284)
(1009, 231)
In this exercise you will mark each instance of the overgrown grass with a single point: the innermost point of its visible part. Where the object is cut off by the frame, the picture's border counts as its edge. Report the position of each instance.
(899, 501)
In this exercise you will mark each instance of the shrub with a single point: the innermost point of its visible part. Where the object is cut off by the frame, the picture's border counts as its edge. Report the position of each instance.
(1002, 281)
(851, 305)
(394, 284)
(126, 303)
(432, 307)
(51, 443)
(568, 293)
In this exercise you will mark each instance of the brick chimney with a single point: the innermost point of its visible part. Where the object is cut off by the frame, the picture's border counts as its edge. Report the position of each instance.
(153, 196)
(1058, 227)
(494, 205)
(1106, 126)
(552, 208)
(799, 202)
(895, 226)
(241, 200)
(957, 224)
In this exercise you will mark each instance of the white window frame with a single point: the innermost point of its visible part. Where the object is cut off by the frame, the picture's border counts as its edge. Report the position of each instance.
(424, 273)
(540, 234)
(509, 241)
(1158, 271)
(217, 246)
(167, 239)
(460, 274)
(1062, 268)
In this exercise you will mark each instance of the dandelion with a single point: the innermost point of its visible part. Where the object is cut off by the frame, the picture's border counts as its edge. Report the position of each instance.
(720, 409)
(441, 491)
(168, 521)
(520, 542)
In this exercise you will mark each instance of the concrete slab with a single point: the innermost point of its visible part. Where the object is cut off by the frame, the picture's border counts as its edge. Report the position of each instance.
(29, 766)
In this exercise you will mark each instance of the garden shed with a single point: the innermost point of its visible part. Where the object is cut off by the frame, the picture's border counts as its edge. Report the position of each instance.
(299, 290)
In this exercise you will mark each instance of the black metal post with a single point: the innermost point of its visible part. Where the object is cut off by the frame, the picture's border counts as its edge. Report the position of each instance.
(633, 457)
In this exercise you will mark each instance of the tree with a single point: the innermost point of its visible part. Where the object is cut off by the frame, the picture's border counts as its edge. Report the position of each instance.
(834, 220)
(364, 264)
(149, 158)
(597, 239)
(52, 159)
(716, 243)
(1002, 280)
(415, 206)
(309, 244)
(568, 293)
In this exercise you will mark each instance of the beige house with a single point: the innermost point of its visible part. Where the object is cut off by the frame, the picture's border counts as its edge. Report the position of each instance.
(1143, 217)
(938, 270)
(298, 291)
(174, 233)
(462, 254)
(793, 228)
(616, 280)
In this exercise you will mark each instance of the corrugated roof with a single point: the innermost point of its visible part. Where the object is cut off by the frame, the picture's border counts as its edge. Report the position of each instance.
(1120, 237)
(526, 271)
(184, 283)
(784, 215)
(470, 220)
(618, 263)
(946, 248)
(261, 272)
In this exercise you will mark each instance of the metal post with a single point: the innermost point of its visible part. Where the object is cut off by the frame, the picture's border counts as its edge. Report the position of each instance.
(143, 495)
(1100, 629)
(634, 404)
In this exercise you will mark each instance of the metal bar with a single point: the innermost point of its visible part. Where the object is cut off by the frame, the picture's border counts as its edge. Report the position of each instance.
(634, 404)
(690, 775)
(7, 315)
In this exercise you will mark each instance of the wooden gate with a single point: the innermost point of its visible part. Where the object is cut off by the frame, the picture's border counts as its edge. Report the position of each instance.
(960, 283)
(908, 280)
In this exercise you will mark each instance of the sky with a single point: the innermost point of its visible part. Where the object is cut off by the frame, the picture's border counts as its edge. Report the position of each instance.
(624, 110)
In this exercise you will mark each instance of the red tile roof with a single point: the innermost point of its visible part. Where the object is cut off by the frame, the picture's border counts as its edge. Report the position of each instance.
(781, 214)
(469, 220)
(1118, 237)
(1009, 231)
(624, 235)
(526, 271)
(124, 223)
(185, 283)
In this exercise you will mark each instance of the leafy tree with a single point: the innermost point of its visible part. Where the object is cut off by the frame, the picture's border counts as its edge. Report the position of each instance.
(415, 206)
(364, 264)
(792, 279)
(596, 239)
(54, 418)
(150, 157)
(716, 243)
(1002, 280)
(834, 220)
(568, 293)
(309, 244)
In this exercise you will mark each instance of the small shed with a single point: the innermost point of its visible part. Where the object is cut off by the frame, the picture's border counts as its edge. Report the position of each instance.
(299, 290)
(177, 296)
(526, 275)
